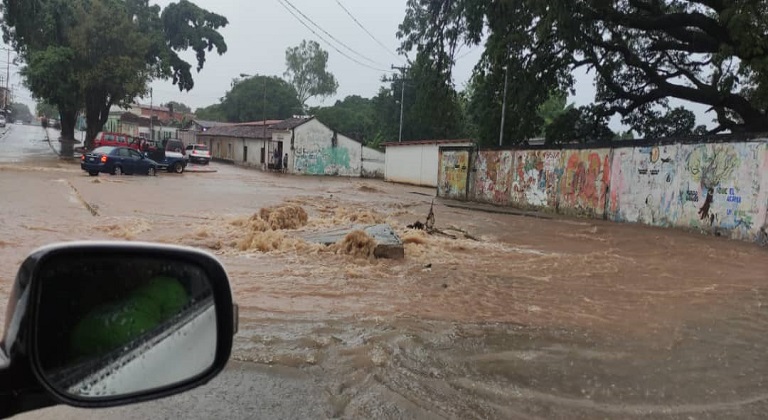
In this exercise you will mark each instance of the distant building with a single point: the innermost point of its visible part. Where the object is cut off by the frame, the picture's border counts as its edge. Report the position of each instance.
(416, 162)
(312, 148)
(122, 121)
(188, 133)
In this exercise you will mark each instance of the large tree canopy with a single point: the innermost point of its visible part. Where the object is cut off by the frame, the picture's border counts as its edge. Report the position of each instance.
(306, 70)
(93, 54)
(643, 52)
(257, 98)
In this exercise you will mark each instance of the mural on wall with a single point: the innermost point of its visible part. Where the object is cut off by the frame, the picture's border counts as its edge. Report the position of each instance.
(585, 180)
(536, 177)
(453, 172)
(644, 185)
(328, 161)
(721, 188)
(492, 176)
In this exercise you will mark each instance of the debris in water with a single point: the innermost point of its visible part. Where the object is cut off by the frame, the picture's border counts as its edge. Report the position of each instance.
(284, 217)
(357, 244)
(418, 238)
(418, 226)
(368, 189)
(96, 181)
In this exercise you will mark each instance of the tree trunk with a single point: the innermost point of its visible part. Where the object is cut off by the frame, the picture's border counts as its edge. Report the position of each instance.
(96, 115)
(68, 121)
(91, 131)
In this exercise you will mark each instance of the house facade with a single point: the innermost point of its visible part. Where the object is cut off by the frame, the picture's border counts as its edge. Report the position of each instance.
(312, 148)
(188, 134)
(126, 122)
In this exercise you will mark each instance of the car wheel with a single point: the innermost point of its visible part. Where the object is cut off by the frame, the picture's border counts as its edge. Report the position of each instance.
(151, 171)
(118, 170)
(178, 168)
(93, 173)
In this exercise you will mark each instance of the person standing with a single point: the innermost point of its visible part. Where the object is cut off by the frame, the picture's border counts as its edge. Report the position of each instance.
(285, 163)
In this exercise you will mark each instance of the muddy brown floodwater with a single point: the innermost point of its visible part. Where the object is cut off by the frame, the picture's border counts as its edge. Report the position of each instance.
(517, 317)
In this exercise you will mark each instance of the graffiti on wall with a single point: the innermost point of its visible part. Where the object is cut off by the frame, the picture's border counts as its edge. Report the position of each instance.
(585, 180)
(328, 161)
(493, 176)
(722, 188)
(644, 185)
(536, 177)
(453, 174)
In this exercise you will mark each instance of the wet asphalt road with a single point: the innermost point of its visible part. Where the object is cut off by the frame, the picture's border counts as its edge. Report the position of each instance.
(24, 143)
(242, 391)
(560, 318)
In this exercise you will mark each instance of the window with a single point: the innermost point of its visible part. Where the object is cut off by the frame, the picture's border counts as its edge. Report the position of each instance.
(134, 154)
(124, 153)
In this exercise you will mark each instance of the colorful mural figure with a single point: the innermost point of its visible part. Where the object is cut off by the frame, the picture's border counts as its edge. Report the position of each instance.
(585, 182)
(711, 166)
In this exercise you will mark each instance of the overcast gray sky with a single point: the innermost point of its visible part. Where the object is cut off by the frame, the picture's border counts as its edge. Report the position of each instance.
(260, 31)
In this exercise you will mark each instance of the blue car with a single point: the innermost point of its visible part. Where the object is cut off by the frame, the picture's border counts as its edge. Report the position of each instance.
(117, 161)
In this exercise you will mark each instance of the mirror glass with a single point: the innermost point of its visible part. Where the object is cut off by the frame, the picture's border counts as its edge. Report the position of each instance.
(113, 325)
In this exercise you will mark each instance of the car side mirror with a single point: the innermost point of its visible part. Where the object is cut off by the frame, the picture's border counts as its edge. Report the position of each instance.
(113, 323)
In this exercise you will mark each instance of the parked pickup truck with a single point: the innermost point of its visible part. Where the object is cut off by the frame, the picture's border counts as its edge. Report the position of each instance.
(169, 161)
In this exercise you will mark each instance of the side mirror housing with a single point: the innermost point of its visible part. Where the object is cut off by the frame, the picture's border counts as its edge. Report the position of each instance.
(102, 324)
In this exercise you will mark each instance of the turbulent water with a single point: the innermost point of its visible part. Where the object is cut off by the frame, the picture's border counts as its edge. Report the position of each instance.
(498, 317)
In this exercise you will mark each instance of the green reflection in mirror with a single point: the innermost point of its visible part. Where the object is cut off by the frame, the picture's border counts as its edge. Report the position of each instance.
(112, 324)
(115, 324)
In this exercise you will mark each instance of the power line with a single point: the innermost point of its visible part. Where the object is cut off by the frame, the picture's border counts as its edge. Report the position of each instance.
(328, 42)
(329, 34)
(465, 54)
(366, 30)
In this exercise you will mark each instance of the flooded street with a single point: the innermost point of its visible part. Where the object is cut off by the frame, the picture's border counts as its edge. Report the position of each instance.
(503, 317)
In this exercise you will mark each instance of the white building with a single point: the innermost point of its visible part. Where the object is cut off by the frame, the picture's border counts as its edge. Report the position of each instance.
(312, 148)
(416, 162)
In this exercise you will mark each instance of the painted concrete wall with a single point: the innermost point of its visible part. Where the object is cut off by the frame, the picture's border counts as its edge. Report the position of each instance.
(718, 188)
(453, 174)
(373, 163)
(320, 151)
(415, 163)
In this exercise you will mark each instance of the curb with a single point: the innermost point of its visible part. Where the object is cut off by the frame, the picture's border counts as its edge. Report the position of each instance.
(48, 139)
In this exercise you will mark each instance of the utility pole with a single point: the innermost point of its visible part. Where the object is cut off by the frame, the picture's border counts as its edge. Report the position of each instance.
(7, 78)
(151, 114)
(402, 98)
(264, 110)
(504, 105)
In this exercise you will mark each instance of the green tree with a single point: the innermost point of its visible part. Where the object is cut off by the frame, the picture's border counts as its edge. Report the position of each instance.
(20, 112)
(259, 97)
(211, 113)
(45, 109)
(580, 125)
(676, 122)
(431, 110)
(177, 107)
(307, 72)
(352, 116)
(642, 52)
(94, 54)
(556, 105)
